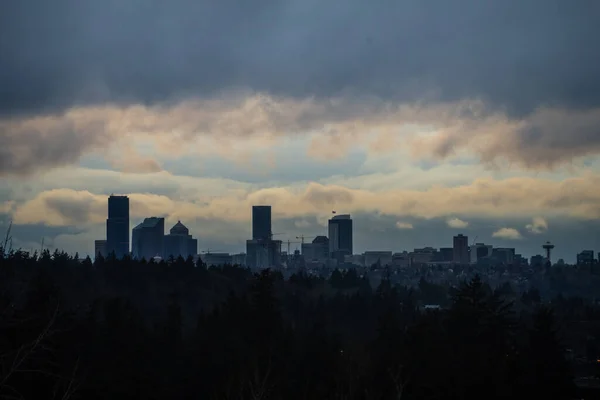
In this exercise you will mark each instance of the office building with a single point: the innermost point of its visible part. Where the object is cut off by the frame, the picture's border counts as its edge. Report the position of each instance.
(117, 226)
(179, 242)
(318, 250)
(100, 248)
(422, 256)
(261, 223)
(479, 251)
(263, 253)
(340, 237)
(504, 255)
(446, 254)
(238, 259)
(217, 259)
(379, 258)
(586, 257)
(148, 238)
(461, 249)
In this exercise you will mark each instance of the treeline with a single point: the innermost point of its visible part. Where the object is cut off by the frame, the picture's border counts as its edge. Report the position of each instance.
(122, 329)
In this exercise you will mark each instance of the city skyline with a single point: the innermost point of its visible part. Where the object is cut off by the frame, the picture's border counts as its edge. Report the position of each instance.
(149, 240)
(421, 120)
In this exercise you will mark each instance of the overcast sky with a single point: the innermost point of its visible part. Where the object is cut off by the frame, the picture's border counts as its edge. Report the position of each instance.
(423, 119)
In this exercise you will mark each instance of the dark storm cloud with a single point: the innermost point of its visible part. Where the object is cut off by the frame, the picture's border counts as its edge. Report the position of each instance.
(516, 54)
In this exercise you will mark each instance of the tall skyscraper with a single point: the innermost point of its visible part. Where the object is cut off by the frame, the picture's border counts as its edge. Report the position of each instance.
(148, 238)
(117, 226)
(261, 222)
(179, 242)
(461, 249)
(340, 237)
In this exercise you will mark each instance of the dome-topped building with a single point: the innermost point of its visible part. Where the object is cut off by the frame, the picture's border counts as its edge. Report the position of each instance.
(179, 242)
(179, 229)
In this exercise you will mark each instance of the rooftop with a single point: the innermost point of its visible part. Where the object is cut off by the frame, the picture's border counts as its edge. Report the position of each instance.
(179, 229)
(151, 222)
(342, 216)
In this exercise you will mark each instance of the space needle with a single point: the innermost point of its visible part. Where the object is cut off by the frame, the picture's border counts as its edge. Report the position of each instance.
(548, 247)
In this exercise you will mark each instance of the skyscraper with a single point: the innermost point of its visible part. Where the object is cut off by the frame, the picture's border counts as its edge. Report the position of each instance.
(340, 237)
(117, 226)
(261, 222)
(148, 238)
(461, 249)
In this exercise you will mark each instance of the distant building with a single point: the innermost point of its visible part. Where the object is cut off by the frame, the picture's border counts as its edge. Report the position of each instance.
(216, 259)
(179, 242)
(263, 253)
(148, 238)
(340, 237)
(461, 249)
(401, 260)
(479, 251)
(586, 257)
(100, 248)
(446, 254)
(318, 250)
(537, 261)
(117, 226)
(261, 222)
(380, 258)
(238, 259)
(422, 256)
(504, 255)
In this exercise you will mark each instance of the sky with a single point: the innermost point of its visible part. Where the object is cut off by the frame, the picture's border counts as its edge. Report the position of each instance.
(422, 119)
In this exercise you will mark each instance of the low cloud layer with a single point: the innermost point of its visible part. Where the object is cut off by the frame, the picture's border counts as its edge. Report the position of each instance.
(404, 225)
(508, 234)
(237, 127)
(537, 226)
(515, 197)
(457, 223)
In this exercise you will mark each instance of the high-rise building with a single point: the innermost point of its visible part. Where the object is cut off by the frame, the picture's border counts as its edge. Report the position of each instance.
(117, 226)
(179, 242)
(461, 249)
(261, 222)
(148, 238)
(340, 237)
(263, 253)
(100, 248)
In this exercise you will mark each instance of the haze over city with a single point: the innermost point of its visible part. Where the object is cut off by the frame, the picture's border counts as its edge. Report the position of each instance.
(422, 120)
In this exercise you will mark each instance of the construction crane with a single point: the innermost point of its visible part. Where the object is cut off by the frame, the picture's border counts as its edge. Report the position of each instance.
(7, 240)
(303, 238)
(289, 242)
(274, 234)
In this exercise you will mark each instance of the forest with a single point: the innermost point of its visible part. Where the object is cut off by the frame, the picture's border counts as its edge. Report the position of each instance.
(127, 329)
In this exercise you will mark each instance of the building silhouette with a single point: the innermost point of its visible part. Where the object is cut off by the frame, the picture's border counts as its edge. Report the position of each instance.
(261, 222)
(262, 251)
(179, 242)
(461, 249)
(318, 250)
(340, 237)
(117, 226)
(148, 238)
(100, 248)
